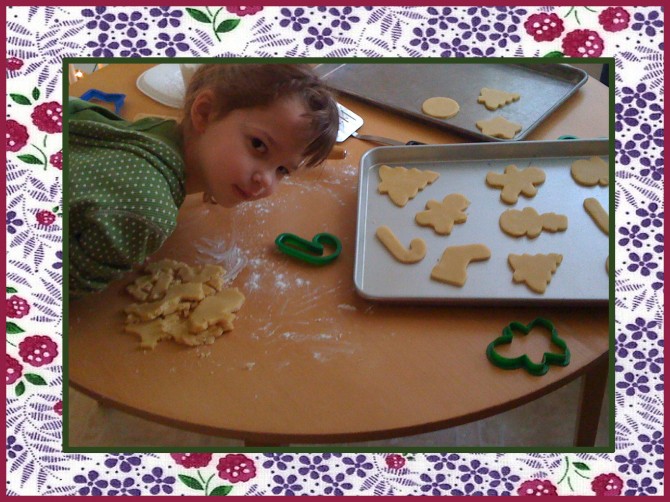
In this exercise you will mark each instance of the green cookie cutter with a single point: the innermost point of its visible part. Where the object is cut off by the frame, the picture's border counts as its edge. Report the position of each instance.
(309, 251)
(523, 361)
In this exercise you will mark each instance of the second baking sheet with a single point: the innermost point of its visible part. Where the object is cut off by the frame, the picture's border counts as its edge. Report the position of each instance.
(580, 278)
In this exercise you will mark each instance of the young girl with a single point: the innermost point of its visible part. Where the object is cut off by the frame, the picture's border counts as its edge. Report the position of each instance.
(245, 127)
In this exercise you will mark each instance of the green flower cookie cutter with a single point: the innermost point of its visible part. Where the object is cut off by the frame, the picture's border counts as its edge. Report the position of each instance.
(309, 251)
(523, 361)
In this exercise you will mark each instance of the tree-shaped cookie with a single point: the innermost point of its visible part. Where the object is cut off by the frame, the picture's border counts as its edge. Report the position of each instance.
(529, 222)
(535, 270)
(494, 98)
(402, 184)
(591, 172)
(442, 215)
(515, 182)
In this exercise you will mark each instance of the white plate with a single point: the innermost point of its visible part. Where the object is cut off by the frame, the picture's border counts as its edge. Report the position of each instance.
(163, 83)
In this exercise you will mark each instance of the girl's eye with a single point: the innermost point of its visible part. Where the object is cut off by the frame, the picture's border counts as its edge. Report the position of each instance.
(257, 144)
(282, 171)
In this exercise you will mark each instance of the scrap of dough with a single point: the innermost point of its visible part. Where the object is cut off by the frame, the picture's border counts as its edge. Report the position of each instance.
(591, 172)
(415, 253)
(535, 270)
(216, 310)
(499, 127)
(452, 267)
(210, 274)
(494, 98)
(441, 108)
(442, 215)
(175, 295)
(402, 184)
(515, 182)
(178, 330)
(150, 333)
(529, 222)
(598, 214)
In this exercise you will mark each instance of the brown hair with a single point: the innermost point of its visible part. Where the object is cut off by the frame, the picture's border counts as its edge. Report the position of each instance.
(250, 85)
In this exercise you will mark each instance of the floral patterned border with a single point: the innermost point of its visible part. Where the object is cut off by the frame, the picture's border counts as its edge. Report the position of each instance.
(38, 38)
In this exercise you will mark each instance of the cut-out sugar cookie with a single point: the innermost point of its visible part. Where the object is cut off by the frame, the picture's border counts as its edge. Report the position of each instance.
(515, 182)
(591, 172)
(499, 127)
(598, 214)
(494, 98)
(415, 253)
(442, 215)
(529, 222)
(452, 267)
(440, 107)
(402, 184)
(535, 270)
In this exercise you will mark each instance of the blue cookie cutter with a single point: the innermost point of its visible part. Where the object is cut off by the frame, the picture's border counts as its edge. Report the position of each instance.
(116, 99)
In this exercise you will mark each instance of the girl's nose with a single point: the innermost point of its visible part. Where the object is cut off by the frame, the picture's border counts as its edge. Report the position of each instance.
(264, 181)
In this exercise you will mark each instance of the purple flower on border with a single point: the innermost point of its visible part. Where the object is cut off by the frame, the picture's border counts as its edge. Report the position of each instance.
(93, 485)
(424, 40)
(488, 52)
(482, 11)
(474, 29)
(344, 18)
(167, 15)
(468, 490)
(160, 482)
(280, 460)
(125, 461)
(294, 18)
(336, 484)
(660, 247)
(651, 216)
(287, 486)
(13, 221)
(639, 95)
(101, 18)
(170, 44)
(647, 136)
(660, 473)
(625, 115)
(633, 461)
(454, 48)
(444, 461)
(59, 261)
(132, 23)
(658, 284)
(657, 111)
(627, 152)
(510, 14)
(653, 169)
(642, 329)
(653, 443)
(313, 466)
(320, 40)
(647, 24)
(474, 471)
(633, 386)
(359, 465)
(102, 48)
(632, 235)
(503, 478)
(623, 345)
(434, 486)
(644, 487)
(651, 359)
(135, 48)
(504, 34)
(13, 448)
(123, 487)
(442, 19)
(642, 262)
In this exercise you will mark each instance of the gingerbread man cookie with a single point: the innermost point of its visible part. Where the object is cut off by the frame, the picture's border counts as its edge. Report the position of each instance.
(442, 215)
(515, 182)
(499, 127)
(402, 184)
(529, 222)
(494, 98)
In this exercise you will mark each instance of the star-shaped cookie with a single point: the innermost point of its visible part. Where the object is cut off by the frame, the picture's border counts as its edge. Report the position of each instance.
(499, 127)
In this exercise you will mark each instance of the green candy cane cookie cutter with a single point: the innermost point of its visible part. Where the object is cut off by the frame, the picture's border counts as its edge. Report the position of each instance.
(523, 361)
(309, 251)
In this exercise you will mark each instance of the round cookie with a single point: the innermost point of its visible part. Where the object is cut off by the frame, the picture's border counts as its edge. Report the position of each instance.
(441, 108)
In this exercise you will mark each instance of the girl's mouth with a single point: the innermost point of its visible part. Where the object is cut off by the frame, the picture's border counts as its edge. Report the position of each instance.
(241, 193)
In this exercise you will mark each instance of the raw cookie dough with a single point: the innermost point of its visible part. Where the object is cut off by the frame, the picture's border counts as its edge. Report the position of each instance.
(535, 270)
(415, 253)
(442, 108)
(442, 215)
(180, 302)
(494, 98)
(452, 267)
(598, 214)
(515, 182)
(529, 222)
(402, 184)
(499, 127)
(591, 172)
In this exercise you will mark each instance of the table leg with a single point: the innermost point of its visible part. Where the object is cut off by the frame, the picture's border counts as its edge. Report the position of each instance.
(594, 385)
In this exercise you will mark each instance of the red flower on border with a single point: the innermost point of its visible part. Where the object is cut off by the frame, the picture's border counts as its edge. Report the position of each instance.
(537, 487)
(395, 461)
(16, 134)
(236, 468)
(192, 460)
(56, 160)
(14, 63)
(48, 117)
(607, 485)
(13, 370)
(38, 350)
(45, 217)
(614, 19)
(244, 10)
(58, 408)
(544, 27)
(17, 307)
(583, 44)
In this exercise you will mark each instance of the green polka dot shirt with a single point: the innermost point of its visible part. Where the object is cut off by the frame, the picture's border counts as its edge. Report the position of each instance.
(126, 183)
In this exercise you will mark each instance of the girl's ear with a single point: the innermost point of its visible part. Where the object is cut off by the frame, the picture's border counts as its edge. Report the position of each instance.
(202, 110)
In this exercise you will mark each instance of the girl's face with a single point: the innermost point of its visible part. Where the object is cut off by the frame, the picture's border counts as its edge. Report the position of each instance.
(244, 155)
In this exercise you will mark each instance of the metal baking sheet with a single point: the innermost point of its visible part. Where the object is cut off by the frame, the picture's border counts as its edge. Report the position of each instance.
(580, 278)
(403, 88)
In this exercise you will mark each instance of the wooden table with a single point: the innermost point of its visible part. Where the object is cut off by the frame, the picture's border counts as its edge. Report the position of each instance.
(309, 361)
